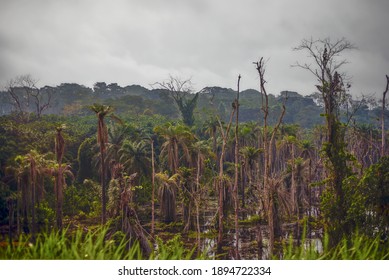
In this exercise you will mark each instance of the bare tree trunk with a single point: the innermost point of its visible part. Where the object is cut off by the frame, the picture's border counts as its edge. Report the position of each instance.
(293, 188)
(103, 186)
(270, 186)
(152, 189)
(59, 196)
(220, 202)
(310, 198)
(197, 201)
(243, 176)
(225, 134)
(383, 148)
(236, 178)
(10, 205)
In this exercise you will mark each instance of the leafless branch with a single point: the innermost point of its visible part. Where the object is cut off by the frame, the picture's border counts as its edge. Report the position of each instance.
(325, 54)
(23, 90)
(177, 87)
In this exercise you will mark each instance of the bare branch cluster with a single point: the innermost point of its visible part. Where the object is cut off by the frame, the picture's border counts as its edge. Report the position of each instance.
(24, 93)
(325, 54)
(177, 87)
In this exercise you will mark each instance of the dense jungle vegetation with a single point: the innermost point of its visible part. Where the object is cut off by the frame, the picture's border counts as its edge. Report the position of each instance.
(114, 172)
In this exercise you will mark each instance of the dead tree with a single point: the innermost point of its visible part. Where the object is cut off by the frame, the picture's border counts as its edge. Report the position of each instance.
(25, 94)
(383, 144)
(236, 177)
(325, 54)
(153, 187)
(270, 182)
(221, 178)
(181, 92)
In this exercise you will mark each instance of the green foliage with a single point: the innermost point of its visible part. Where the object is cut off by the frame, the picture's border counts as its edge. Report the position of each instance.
(374, 191)
(187, 108)
(93, 245)
(361, 202)
(96, 244)
(355, 247)
(45, 215)
(85, 156)
(172, 249)
(252, 220)
(365, 202)
(142, 193)
(82, 198)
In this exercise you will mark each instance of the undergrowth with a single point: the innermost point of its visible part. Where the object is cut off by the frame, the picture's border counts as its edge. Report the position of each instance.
(95, 244)
(356, 247)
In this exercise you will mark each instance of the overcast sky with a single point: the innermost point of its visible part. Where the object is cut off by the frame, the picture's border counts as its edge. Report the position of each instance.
(211, 41)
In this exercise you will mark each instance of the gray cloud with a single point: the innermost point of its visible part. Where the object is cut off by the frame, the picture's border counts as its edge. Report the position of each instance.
(212, 41)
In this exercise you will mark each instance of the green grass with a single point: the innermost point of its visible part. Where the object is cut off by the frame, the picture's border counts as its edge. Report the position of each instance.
(92, 245)
(357, 247)
(95, 244)
(172, 249)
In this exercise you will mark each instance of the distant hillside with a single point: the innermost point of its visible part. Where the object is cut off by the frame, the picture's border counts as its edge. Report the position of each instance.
(74, 99)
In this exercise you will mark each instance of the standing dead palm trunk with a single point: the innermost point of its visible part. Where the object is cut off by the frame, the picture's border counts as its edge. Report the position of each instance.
(202, 150)
(250, 156)
(236, 176)
(289, 142)
(271, 191)
(221, 182)
(103, 111)
(383, 141)
(153, 187)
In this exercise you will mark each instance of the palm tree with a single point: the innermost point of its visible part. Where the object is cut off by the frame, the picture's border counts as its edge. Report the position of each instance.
(103, 111)
(31, 166)
(210, 128)
(289, 142)
(248, 133)
(20, 173)
(117, 134)
(176, 137)
(175, 149)
(115, 190)
(187, 190)
(250, 156)
(60, 172)
(167, 192)
(29, 173)
(135, 156)
(120, 204)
